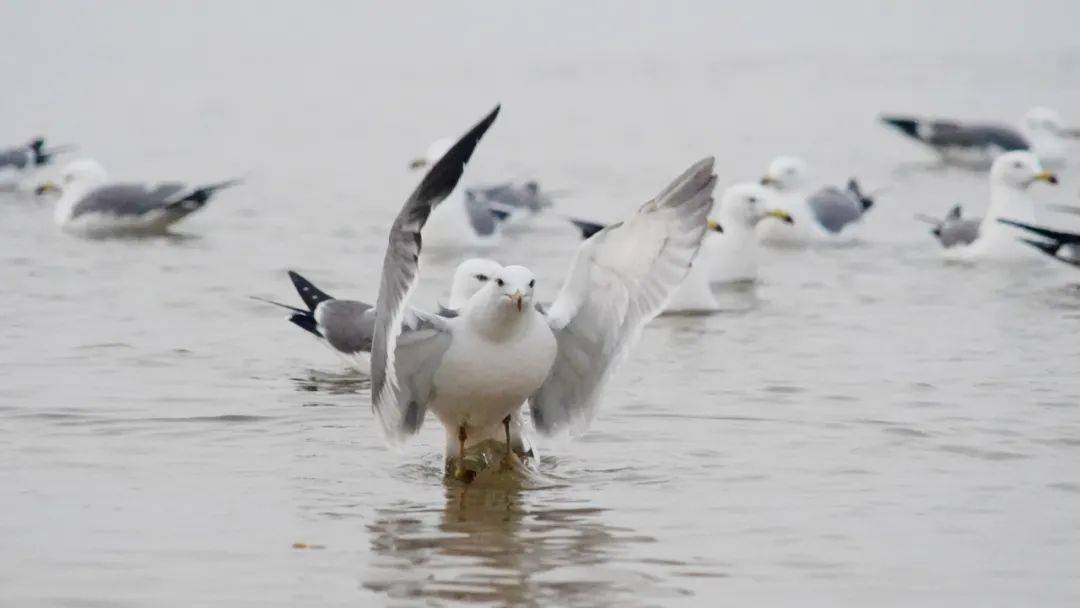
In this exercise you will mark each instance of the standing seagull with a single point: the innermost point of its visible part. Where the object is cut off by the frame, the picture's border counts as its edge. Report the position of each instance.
(474, 370)
(20, 162)
(91, 206)
(346, 326)
(976, 145)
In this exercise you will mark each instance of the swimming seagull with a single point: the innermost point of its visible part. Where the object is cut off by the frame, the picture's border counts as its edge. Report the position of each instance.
(510, 202)
(19, 162)
(827, 215)
(728, 252)
(346, 326)
(90, 205)
(955, 230)
(1010, 177)
(474, 370)
(1062, 246)
(465, 218)
(976, 145)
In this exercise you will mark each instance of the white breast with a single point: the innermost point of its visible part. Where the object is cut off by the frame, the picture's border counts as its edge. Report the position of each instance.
(481, 381)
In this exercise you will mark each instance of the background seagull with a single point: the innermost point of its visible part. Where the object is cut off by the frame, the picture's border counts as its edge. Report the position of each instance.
(827, 215)
(512, 203)
(976, 145)
(954, 230)
(91, 206)
(21, 162)
(729, 251)
(475, 369)
(1010, 177)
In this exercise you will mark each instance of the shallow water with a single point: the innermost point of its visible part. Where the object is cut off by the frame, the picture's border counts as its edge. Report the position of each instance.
(871, 424)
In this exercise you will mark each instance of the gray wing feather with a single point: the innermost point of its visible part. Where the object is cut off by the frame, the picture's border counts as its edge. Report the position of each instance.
(958, 232)
(834, 209)
(127, 199)
(347, 325)
(945, 134)
(417, 356)
(393, 400)
(620, 280)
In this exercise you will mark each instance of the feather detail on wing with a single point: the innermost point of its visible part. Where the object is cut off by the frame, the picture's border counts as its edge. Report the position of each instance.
(620, 280)
(399, 275)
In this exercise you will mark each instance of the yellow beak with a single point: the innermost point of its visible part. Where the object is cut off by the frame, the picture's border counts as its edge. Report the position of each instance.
(715, 227)
(417, 163)
(768, 180)
(46, 188)
(1048, 177)
(781, 215)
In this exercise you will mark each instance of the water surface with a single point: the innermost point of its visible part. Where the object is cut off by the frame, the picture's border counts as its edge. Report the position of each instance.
(870, 425)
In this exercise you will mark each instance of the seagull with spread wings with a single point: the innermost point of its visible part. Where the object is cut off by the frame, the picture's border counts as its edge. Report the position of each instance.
(473, 370)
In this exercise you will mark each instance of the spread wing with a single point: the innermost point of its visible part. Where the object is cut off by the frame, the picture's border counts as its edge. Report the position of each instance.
(398, 407)
(619, 281)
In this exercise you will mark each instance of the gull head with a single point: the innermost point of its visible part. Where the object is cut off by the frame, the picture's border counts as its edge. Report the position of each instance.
(513, 287)
(80, 174)
(470, 277)
(434, 152)
(1019, 170)
(785, 173)
(747, 204)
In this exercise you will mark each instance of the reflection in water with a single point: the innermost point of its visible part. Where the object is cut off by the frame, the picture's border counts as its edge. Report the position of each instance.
(498, 542)
(344, 383)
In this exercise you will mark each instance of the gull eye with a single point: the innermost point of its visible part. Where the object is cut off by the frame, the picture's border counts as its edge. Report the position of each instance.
(753, 199)
(1018, 164)
(499, 282)
(532, 283)
(481, 277)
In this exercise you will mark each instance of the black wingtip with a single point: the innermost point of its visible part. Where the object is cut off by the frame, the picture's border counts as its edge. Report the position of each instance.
(909, 126)
(444, 175)
(1060, 237)
(203, 193)
(1049, 248)
(306, 322)
(311, 295)
(587, 229)
(200, 196)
